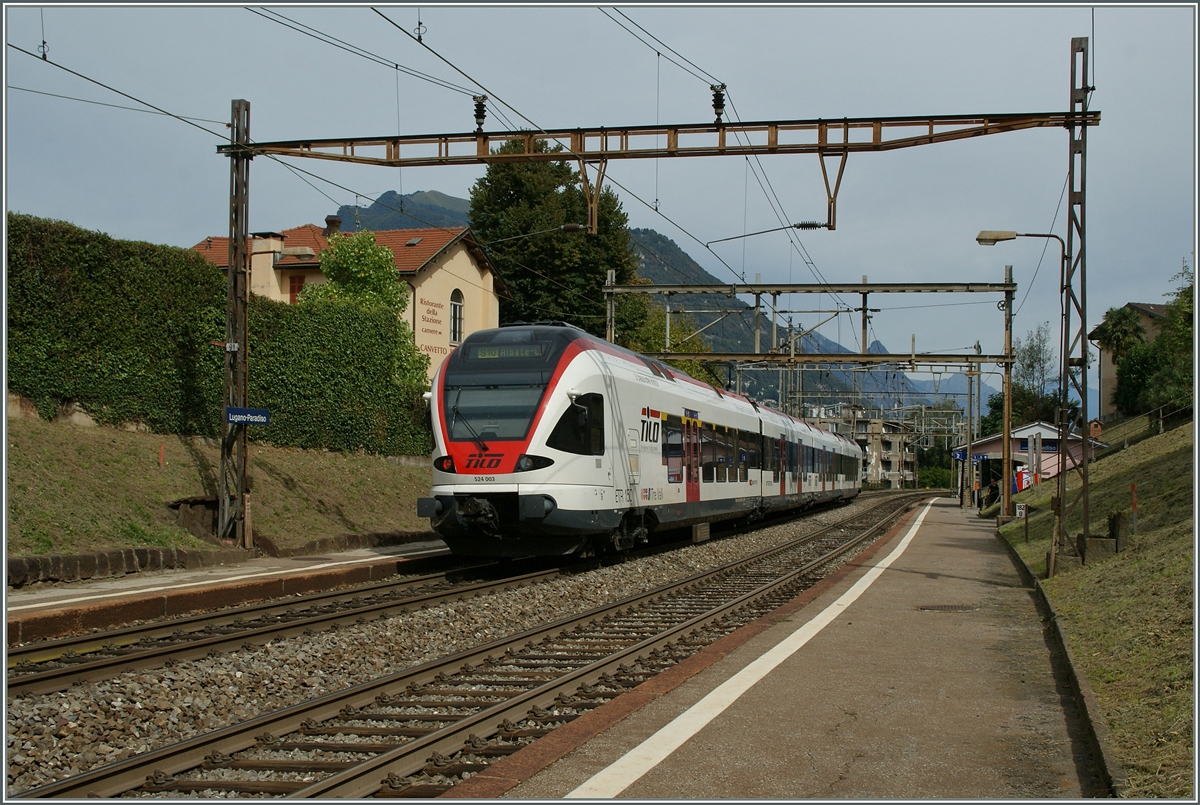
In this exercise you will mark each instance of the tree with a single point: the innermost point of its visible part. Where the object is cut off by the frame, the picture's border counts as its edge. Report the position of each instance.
(358, 272)
(1161, 373)
(1119, 332)
(1027, 406)
(356, 269)
(1034, 384)
(1036, 362)
(552, 275)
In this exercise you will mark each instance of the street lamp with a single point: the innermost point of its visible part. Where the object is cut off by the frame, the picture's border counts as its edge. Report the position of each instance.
(990, 237)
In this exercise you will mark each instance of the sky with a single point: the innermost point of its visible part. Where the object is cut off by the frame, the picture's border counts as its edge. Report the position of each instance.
(909, 215)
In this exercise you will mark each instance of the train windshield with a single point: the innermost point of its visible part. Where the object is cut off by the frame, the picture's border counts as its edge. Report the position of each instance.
(495, 381)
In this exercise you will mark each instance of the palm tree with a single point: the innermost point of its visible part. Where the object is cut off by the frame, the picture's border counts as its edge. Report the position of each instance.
(1119, 332)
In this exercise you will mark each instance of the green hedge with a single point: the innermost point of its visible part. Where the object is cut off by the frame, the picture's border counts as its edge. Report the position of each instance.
(124, 329)
(350, 361)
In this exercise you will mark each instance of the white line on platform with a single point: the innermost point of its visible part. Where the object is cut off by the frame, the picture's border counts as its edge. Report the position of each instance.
(614, 779)
(98, 596)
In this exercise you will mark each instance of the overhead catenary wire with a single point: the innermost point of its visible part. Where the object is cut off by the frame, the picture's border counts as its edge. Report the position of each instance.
(1045, 244)
(300, 173)
(491, 95)
(567, 151)
(64, 68)
(321, 36)
(709, 80)
(115, 105)
(772, 197)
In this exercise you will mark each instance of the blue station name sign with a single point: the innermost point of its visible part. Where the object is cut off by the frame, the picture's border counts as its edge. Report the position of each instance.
(247, 416)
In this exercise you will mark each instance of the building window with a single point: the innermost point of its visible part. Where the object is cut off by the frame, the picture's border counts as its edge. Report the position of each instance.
(296, 285)
(456, 317)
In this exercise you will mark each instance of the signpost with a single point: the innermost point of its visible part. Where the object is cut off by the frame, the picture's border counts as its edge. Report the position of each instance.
(247, 416)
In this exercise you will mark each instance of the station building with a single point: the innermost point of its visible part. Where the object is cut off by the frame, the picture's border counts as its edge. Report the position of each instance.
(988, 453)
(452, 284)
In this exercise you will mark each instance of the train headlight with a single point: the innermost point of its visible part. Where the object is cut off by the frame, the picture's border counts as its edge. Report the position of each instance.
(526, 463)
(445, 464)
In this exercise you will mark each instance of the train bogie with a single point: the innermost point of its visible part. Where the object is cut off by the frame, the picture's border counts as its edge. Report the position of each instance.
(550, 441)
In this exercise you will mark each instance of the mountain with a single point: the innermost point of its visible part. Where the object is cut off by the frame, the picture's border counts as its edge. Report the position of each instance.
(424, 208)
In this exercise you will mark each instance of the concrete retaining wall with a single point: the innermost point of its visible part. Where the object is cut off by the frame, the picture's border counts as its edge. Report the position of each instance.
(23, 570)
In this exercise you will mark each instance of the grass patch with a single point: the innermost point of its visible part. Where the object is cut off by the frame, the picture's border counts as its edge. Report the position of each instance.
(75, 489)
(1130, 618)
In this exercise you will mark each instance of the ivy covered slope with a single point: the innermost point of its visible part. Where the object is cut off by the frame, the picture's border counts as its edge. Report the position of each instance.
(120, 327)
(125, 330)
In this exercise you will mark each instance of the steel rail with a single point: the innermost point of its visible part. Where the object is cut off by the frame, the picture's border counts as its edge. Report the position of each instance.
(129, 774)
(45, 650)
(55, 679)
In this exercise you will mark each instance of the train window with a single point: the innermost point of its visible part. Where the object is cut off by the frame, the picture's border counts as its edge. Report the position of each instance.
(708, 454)
(752, 450)
(672, 449)
(490, 414)
(580, 429)
(724, 454)
(743, 455)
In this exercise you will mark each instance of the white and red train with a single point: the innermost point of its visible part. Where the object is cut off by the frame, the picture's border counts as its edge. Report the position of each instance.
(550, 441)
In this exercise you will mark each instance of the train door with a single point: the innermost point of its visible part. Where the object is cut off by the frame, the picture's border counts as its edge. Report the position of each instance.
(691, 459)
(634, 462)
(783, 465)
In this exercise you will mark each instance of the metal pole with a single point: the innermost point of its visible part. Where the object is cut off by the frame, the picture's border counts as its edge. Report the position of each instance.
(667, 337)
(1006, 454)
(757, 324)
(1073, 265)
(610, 324)
(968, 466)
(1076, 227)
(232, 487)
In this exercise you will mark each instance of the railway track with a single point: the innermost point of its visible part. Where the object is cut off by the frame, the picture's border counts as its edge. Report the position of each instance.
(414, 733)
(56, 665)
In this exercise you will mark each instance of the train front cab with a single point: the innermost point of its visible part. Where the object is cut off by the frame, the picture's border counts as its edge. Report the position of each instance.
(521, 455)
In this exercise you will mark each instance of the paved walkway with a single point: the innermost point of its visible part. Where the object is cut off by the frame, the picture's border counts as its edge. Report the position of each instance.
(924, 672)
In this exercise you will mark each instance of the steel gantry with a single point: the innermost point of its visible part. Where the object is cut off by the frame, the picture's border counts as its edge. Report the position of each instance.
(829, 139)
(778, 354)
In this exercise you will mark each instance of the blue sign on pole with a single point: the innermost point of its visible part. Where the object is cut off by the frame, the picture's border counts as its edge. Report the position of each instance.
(247, 416)
(980, 456)
(960, 455)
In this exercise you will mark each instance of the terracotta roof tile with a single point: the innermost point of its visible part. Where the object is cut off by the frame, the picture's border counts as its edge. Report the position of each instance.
(413, 248)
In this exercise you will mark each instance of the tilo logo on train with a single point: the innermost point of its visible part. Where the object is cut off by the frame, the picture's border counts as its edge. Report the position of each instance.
(483, 461)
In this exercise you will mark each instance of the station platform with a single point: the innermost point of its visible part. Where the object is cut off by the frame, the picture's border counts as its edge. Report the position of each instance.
(47, 611)
(920, 669)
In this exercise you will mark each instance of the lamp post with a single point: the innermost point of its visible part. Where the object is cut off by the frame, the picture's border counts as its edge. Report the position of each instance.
(991, 238)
